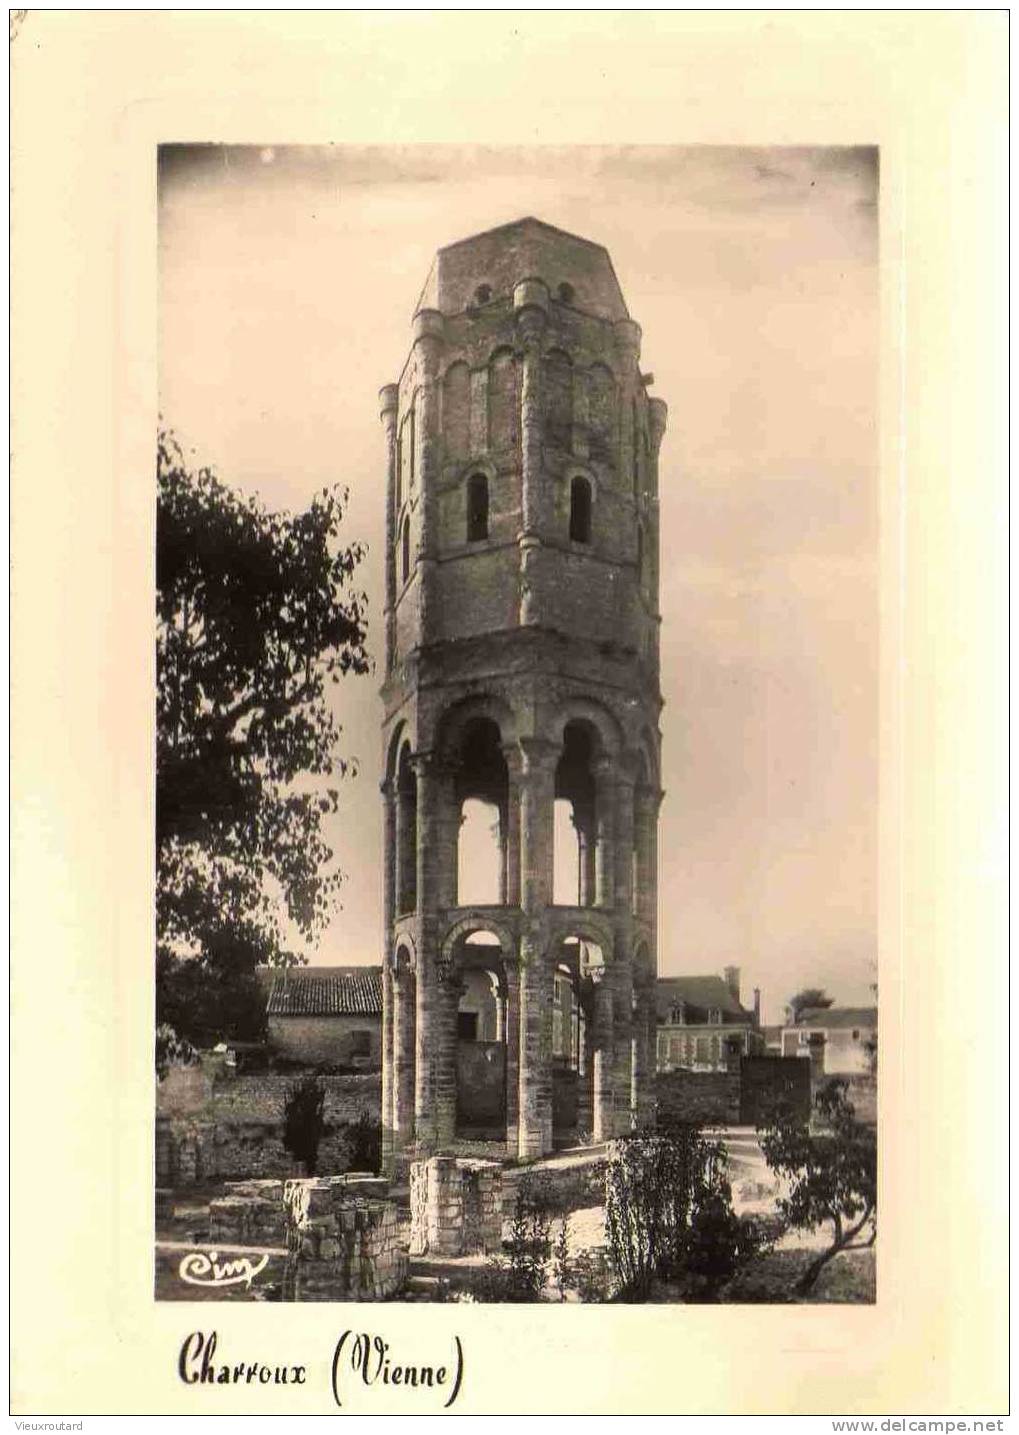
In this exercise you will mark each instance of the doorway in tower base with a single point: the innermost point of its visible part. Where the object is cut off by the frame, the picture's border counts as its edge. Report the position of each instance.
(481, 1040)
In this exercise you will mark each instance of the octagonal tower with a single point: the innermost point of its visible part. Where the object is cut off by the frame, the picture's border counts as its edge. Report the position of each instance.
(521, 673)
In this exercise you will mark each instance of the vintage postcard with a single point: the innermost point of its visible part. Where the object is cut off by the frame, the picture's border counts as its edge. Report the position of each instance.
(496, 594)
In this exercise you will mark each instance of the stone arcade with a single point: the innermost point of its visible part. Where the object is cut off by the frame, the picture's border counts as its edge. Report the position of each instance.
(521, 682)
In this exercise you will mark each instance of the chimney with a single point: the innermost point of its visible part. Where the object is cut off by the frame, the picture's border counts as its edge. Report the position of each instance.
(731, 975)
(757, 1006)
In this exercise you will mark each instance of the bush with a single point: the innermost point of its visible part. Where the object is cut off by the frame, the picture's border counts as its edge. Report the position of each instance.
(668, 1212)
(364, 1136)
(304, 1121)
(832, 1173)
(172, 1050)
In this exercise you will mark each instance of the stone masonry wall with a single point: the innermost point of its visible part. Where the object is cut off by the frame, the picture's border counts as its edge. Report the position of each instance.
(455, 1207)
(700, 1096)
(342, 1244)
(189, 1152)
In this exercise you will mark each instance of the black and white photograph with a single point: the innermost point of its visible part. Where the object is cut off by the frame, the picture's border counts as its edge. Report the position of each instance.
(509, 724)
(517, 698)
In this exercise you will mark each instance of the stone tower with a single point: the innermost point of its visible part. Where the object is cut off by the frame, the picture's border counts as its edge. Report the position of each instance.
(521, 675)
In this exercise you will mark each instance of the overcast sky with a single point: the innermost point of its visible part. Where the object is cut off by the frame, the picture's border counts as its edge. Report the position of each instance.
(288, 278)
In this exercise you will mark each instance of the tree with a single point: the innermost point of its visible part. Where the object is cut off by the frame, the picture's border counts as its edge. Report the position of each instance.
(256, 619)
(304, 1121)
(832, 1173)
(809, 997)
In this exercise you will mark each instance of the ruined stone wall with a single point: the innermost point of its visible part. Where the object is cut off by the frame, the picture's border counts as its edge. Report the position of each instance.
(455, 1206)
(191, 1151)
(261, 1097)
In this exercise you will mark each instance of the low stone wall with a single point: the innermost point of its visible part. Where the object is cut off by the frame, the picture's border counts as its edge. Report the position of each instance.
(342, 1244)
(455, 1207)
(190, 1151)
(341, 1233)
(706, 1097)
(213, 1094)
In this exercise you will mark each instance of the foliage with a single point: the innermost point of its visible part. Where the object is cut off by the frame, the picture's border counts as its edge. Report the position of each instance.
(364, 1134)
(561, 1274)
(172, 1050)
(809, 997)
(668, 1212)
(212, 1000)
(256, 619)
(304, 1120)
(530, 1243)
(832, 1173)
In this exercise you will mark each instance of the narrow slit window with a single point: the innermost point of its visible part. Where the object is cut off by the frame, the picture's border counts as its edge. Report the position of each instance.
(477, 508)
(580, 511)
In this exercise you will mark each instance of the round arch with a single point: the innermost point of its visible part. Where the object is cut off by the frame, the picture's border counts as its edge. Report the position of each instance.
(589, 710)
(585, 924)
(455, 719)
(466, 926)
(403, 946)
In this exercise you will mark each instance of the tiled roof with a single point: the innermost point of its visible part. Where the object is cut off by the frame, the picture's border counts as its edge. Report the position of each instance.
(837, 1017)
(700, 994)
(325, 991)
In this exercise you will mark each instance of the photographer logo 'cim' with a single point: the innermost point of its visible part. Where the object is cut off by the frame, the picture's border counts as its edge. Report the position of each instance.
(201, 1269)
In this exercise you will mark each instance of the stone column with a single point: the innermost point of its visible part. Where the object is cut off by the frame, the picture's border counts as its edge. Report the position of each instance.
(389, 398)
(511, 842)
(427, 350)
(447, 1002)
(536, 842)
(605, 859)
(622, 971)
(601, 1063)
(530, 300)
(585, 1075)
(628, 336)
(644, 1054)
(512, 1027)
(403, 1085)
(430, 1026)
(387, 1061)
(644, 882)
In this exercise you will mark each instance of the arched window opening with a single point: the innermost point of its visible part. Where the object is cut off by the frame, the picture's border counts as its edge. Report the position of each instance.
(566, 858)
(503, 401)
(477, 507)
(566, 293)
(574, 876)
(405, 549)
(456, 411)
(602, 438)
(580, 511)
(558, 386)
(406, 834)
(479, 854)
(579, 960)
(482, 797)
(482, 1032)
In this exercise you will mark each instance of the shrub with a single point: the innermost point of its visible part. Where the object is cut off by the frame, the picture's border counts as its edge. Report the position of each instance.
(668, 1212)
(832, 1173)
(172, 1050)
(304, 1121)
(364, 1136)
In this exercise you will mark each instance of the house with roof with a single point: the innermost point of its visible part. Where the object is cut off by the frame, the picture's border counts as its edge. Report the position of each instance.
(325, 1015)
(849, 1034)
(702, 1023)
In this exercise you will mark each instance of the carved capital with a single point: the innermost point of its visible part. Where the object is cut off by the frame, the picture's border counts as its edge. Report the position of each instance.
(538, 755)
